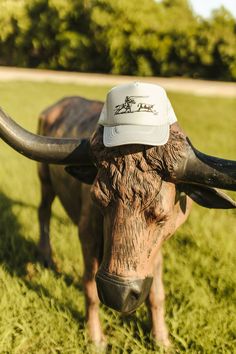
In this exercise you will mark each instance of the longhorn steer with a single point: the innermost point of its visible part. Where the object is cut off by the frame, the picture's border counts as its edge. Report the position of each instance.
(140, 195)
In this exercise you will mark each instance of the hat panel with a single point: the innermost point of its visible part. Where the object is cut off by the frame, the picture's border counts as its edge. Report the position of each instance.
(136, 104)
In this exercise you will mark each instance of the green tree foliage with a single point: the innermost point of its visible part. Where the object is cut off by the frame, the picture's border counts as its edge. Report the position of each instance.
(13, 20)
(128, 39)
(118, 36)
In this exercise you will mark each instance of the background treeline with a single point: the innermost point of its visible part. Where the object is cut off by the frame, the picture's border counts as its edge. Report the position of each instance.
(138, 37)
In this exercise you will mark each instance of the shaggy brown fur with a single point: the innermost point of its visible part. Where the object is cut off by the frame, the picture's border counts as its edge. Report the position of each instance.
(134, 173)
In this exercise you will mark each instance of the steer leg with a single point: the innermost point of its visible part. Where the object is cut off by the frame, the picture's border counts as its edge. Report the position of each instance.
(155, 303)
(90, 233)
(92, 303)
(44, 214)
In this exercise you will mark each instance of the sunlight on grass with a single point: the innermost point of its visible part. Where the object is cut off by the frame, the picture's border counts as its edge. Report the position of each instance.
(43, 311)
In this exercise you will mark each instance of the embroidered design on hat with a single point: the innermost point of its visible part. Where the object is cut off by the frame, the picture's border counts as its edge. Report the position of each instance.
(127, 106)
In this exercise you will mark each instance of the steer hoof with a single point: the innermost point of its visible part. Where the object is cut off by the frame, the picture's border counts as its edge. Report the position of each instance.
(45, 255)
(162, 340)
(45, 259)
(99, 347)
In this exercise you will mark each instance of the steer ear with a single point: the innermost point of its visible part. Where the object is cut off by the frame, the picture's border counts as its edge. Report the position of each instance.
(85, 174)
(207, 197)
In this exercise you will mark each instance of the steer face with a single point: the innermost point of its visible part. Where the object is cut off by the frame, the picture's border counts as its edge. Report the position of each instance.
(139, 209)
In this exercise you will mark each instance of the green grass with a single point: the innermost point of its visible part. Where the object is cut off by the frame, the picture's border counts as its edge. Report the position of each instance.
(43, 311)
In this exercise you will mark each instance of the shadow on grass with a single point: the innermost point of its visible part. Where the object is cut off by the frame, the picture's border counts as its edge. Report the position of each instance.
(15, 250)
(16, 253)
(30, 206)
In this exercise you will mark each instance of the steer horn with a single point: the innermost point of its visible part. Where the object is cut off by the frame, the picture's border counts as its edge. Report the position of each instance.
(198, 168)
(44, 149)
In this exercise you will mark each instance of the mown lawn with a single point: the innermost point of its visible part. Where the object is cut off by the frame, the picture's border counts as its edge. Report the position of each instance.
(42, 311)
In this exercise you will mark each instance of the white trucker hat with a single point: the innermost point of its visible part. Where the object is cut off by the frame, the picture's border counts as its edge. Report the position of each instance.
(136, 113)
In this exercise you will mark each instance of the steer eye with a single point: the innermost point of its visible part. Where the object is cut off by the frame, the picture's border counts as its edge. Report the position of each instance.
(150, 215)
(154, 215)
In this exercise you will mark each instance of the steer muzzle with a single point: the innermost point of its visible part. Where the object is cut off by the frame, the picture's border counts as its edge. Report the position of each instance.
(120, 294)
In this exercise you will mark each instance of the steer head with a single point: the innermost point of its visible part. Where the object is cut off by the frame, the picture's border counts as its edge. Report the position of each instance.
(137, 188)
(138, 206)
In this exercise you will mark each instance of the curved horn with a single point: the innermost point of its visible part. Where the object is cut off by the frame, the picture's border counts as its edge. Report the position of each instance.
(198, 168)
(41, 148)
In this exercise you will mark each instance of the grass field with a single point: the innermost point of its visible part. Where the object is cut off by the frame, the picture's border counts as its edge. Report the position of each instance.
(42, 311)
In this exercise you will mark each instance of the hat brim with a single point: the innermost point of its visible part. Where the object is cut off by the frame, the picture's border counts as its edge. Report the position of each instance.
(136, 134)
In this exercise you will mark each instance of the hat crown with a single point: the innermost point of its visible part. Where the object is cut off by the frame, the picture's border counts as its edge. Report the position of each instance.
(136, 113)
(135, 104)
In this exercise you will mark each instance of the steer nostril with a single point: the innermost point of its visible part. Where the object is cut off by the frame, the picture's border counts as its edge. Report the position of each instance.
(134, 295)
(131, 302)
